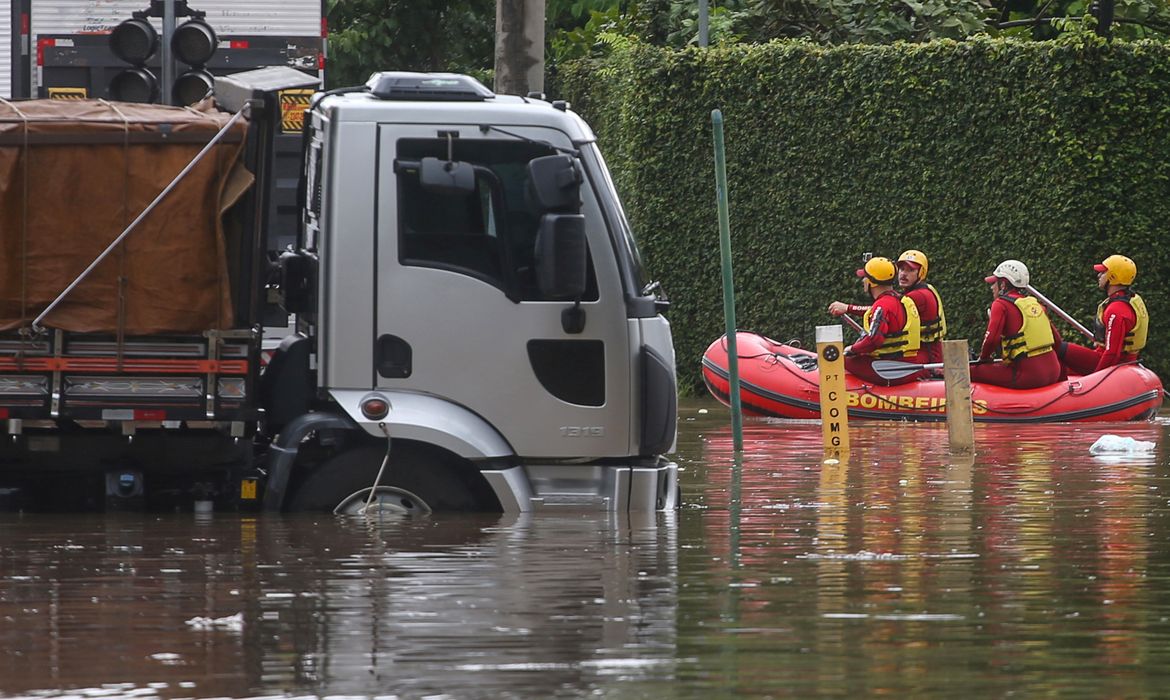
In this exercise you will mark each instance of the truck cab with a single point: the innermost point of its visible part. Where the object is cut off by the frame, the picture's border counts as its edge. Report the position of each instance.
(468, 292)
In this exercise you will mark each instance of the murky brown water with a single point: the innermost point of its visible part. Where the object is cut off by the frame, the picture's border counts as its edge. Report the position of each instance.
(1032, 570)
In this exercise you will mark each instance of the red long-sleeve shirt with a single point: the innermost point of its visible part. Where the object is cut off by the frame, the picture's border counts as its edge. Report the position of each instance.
(1005, 319)
(1119, 318)
(888, 317)
(927, 304)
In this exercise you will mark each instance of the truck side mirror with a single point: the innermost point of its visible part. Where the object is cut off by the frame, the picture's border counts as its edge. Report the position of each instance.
(561, 255)
(446, 176)
(554, 183)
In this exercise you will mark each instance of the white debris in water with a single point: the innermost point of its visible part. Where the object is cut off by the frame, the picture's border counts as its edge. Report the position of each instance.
(911, 617)
(1117, 444)
(231, 623)
(856, 556)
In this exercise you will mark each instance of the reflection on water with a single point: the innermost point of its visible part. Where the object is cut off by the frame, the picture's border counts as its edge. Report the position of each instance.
(1029, 569)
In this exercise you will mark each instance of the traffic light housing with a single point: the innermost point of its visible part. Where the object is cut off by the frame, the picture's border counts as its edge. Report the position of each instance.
(193, 43)
(136, 42)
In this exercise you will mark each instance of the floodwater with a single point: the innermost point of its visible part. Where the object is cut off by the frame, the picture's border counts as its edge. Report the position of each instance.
(1033, 569)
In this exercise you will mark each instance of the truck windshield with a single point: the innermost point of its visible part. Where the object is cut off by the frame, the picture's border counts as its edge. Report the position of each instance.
(490, 233)
(631, 258)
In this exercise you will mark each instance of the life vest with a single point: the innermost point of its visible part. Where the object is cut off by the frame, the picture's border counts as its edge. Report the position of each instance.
(906, 340)
(934, 329)
(1035, 334)
(1135, 339)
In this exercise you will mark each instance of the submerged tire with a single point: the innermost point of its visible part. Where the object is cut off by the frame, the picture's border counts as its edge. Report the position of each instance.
(416, 481)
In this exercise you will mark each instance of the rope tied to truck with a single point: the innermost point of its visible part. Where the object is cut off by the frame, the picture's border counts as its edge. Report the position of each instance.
(381, 471)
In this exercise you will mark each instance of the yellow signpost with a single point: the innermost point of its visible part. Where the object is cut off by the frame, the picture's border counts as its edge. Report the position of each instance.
(834, 415)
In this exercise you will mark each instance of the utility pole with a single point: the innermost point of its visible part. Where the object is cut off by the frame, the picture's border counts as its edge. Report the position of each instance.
(519, 46)
(704, 23)
(1104, 14)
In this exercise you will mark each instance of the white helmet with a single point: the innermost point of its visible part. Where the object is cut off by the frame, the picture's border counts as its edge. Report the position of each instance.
(1014, 271)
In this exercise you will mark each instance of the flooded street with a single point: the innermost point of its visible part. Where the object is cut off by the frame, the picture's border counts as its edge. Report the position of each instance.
(1033, 569)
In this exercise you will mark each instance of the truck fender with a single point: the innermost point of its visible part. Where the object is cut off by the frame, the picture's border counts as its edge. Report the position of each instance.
(428, 419)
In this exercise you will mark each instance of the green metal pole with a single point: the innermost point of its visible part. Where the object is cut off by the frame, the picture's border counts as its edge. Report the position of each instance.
(728, 285)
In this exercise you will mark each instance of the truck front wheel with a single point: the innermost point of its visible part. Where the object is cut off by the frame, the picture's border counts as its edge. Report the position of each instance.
(417, 481)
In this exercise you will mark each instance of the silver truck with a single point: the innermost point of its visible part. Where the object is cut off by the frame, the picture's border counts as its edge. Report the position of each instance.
(473, 327)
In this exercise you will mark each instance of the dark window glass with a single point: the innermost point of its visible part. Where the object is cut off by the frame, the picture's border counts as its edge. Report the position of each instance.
(490, 233)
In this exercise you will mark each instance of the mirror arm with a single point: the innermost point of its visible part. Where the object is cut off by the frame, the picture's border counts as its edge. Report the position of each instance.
(573, 318)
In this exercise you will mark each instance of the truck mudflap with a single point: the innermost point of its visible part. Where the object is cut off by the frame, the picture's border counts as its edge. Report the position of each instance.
(284, 452)
(610, 487)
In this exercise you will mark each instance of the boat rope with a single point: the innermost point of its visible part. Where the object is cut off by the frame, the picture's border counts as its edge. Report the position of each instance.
(1071, 388)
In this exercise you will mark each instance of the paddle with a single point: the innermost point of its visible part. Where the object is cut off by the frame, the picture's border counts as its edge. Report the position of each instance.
(896, 369)
(856, 326)
(1060, 312)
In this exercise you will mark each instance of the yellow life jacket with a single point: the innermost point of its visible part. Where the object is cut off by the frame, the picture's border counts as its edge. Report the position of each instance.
(935, 330)
(1135, 339)
(899, 343)
(1035, 335)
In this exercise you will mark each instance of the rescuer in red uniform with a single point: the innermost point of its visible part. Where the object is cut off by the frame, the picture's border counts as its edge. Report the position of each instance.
(912, 269)
(1018, 327)
(892, 331)
(1121, 324)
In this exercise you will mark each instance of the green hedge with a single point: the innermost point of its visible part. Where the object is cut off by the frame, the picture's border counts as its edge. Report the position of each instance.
(973, 152)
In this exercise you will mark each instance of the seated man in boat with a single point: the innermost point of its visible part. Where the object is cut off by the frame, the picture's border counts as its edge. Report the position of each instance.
(912, 269)
(1020, 329)
(891, 325)
(1121, 324)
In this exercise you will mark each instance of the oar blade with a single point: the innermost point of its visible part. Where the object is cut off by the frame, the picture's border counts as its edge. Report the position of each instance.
(893, 369)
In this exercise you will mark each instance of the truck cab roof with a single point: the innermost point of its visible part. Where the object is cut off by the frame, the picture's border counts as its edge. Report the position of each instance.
(447, 98)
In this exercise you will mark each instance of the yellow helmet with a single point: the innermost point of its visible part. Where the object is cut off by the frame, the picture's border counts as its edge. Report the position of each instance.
(879, 271)
(1118, 269)
(918, 258)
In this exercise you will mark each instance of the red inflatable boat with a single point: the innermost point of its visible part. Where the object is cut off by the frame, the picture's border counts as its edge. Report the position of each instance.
(781, 380)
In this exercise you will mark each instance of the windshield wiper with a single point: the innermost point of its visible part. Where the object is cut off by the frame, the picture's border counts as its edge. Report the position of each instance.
(484, 128)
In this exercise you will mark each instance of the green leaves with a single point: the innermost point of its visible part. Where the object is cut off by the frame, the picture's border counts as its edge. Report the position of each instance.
(1055, 153)
(426, 35)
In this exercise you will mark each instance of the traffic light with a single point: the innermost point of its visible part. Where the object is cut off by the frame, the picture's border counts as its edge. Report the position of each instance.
(194, 43)
(136, 42)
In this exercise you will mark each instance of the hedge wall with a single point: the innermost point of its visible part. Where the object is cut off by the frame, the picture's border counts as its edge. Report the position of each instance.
(973, 152)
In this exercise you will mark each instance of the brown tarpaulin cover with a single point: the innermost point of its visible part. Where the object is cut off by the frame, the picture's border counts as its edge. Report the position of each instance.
(73, 175)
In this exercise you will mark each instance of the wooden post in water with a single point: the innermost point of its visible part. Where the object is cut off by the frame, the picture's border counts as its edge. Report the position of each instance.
(957, 377)
(834, 411)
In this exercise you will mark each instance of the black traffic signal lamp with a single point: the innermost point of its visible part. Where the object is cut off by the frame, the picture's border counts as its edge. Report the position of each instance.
(194, 43)
(136, 41)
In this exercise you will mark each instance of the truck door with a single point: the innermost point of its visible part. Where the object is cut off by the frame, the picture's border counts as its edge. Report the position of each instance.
(459, 313)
